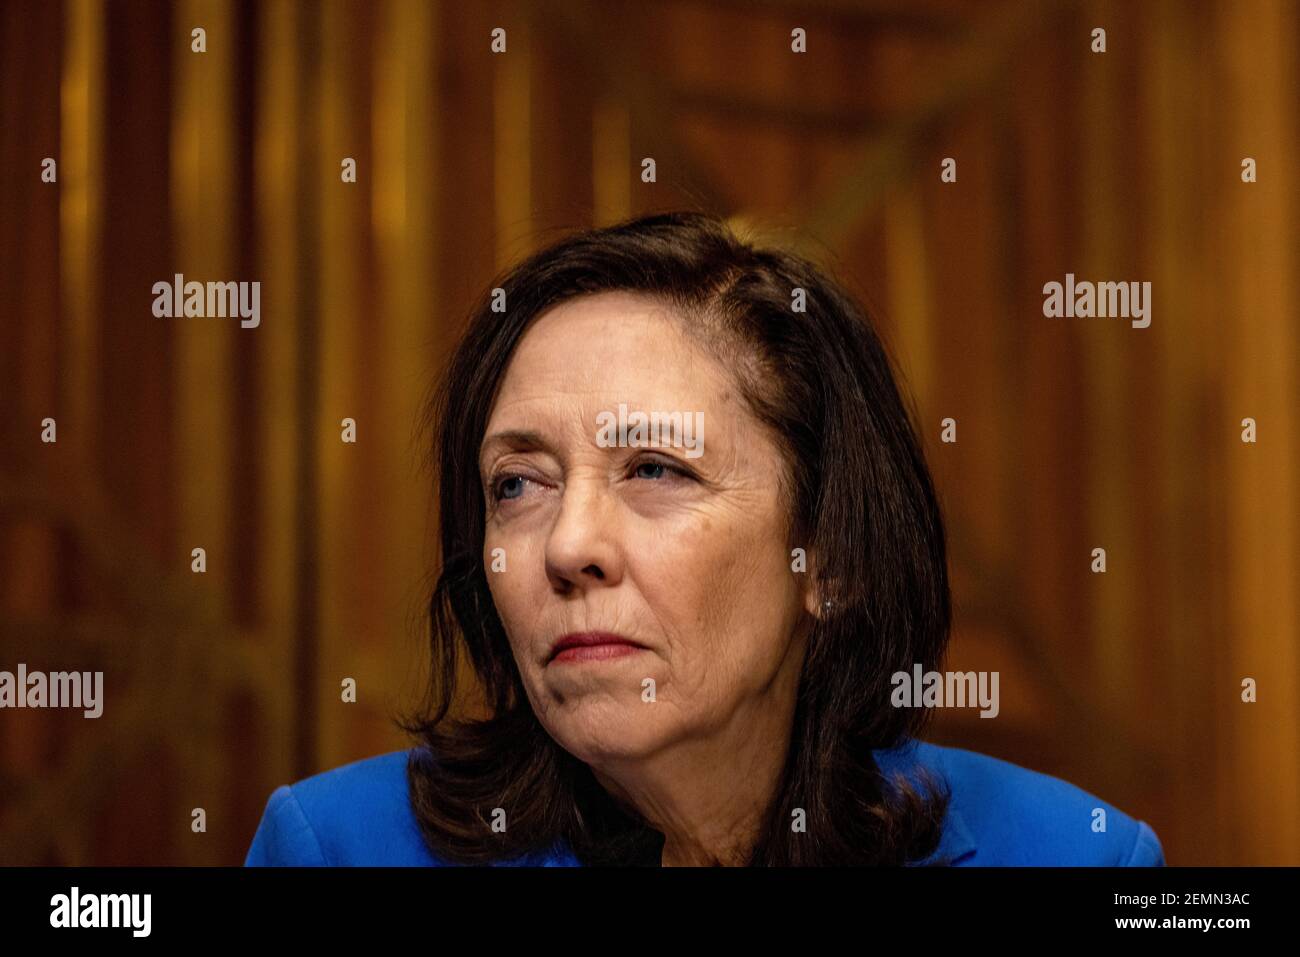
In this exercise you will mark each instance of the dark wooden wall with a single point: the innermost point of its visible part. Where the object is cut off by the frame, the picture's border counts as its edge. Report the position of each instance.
(1072, 434)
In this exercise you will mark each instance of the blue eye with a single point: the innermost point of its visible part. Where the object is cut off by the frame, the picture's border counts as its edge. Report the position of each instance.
(512, 486)
(497, 488)
(662, 467)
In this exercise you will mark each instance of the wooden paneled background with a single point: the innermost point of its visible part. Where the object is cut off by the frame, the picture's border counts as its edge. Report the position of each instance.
(1072, 434)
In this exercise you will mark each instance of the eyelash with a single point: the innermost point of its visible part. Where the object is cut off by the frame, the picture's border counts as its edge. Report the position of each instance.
(495, 485)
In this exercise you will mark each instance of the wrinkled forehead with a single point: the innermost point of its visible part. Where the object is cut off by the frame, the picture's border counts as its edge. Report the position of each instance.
(588, 356)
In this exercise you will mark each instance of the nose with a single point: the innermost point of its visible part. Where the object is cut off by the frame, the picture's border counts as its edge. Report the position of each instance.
(582, 548)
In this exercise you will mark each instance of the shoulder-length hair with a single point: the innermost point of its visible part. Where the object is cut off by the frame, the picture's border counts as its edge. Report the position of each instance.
(861, 502)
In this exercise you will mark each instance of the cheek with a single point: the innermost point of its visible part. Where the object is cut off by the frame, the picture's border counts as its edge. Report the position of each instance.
(723, 594)
(505, 563)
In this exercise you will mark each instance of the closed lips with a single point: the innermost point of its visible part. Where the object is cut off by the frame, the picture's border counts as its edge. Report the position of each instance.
(589, 638)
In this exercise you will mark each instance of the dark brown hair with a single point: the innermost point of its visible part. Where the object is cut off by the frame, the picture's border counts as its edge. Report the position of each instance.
(861, 500)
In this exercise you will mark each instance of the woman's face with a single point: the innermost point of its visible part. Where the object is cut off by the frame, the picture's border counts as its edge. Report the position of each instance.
(694, 568)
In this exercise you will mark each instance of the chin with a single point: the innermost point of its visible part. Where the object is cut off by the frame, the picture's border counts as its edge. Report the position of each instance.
(608, 734)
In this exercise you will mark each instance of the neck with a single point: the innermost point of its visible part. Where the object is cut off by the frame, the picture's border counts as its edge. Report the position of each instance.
(690, 795)
(709, 795)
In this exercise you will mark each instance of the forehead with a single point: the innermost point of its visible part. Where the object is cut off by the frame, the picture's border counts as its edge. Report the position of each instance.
(589, 354)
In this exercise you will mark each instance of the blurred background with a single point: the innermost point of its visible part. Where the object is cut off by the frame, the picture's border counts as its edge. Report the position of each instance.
(1073, 434)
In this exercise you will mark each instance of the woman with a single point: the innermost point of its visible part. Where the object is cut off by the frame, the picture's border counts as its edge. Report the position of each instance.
(688, 539)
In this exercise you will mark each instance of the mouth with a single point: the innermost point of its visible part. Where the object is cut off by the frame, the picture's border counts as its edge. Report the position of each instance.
(592, 646)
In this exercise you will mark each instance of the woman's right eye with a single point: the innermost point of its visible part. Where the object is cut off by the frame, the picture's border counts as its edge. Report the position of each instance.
(501, 487)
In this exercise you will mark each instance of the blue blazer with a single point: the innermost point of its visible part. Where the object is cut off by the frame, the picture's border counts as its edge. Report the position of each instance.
(1000, 814)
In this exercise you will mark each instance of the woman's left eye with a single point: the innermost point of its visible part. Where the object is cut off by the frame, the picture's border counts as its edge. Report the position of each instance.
(661, 468)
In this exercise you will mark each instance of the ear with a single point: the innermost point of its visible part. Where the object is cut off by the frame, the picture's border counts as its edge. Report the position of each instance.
(814, 590)
(813, 604)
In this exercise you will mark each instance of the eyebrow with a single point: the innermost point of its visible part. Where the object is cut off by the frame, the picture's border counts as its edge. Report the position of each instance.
(518, 439)
(527, 440)
(670, 432)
